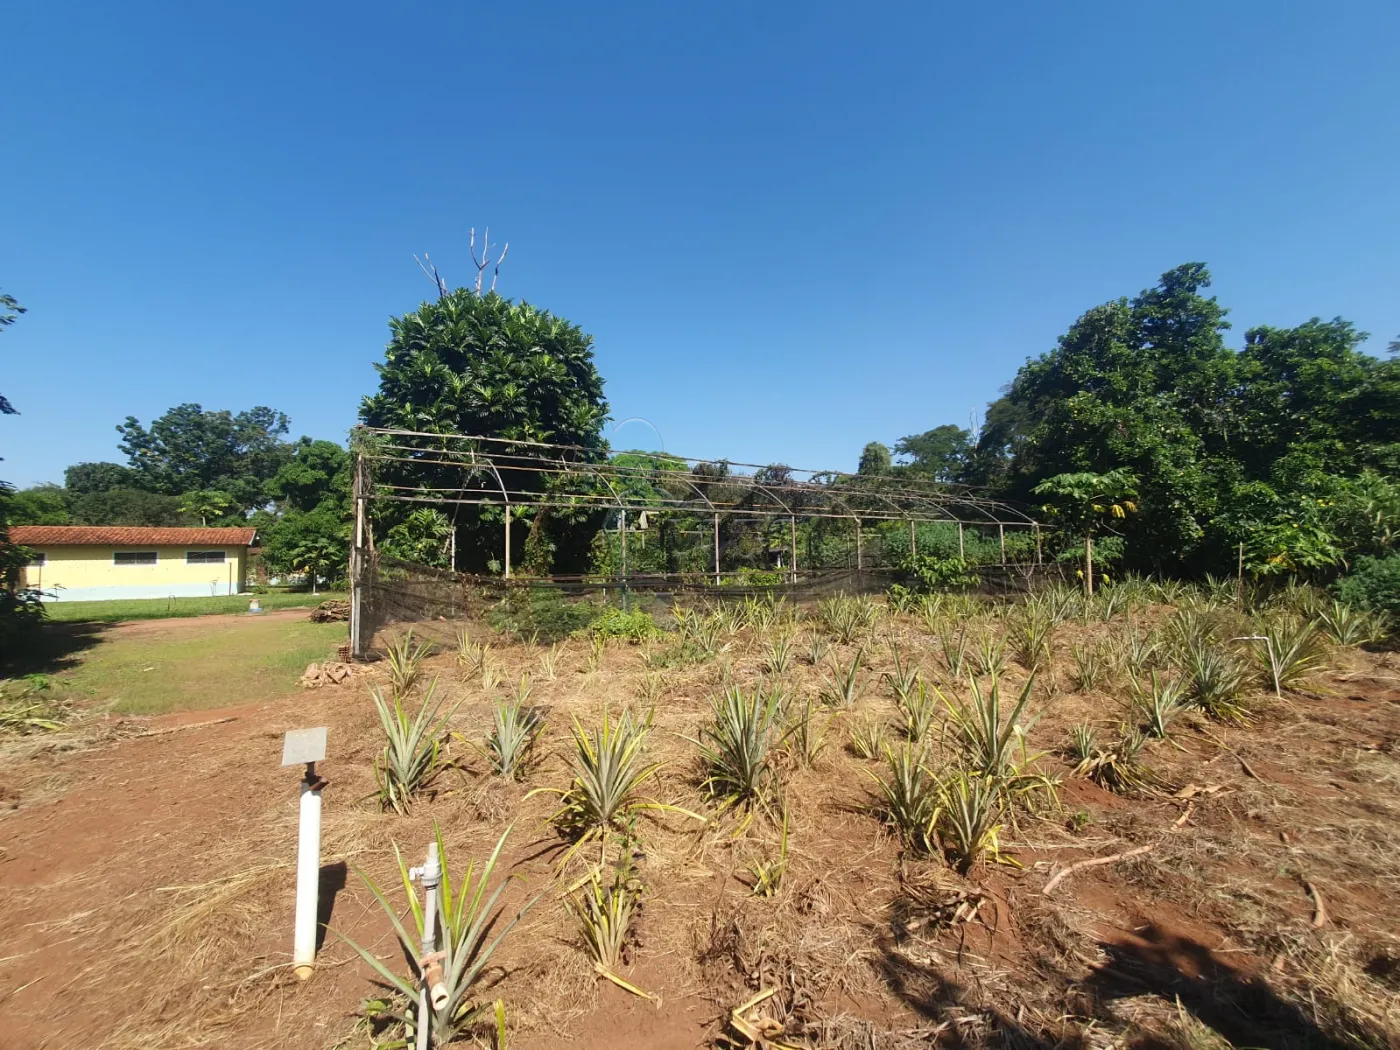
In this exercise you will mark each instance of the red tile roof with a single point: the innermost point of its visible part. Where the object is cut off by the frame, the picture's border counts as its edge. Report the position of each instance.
(127, 536)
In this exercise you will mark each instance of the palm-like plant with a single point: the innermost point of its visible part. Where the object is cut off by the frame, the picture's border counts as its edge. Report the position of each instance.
(412, 754)
(867, 738)
(1213, 680)
(1290, 651)
(405, 657)
(904, 676)
(910, 797)
(971, 809)
(845, 685)
(469, 930)
(1347, 625)
(735, 746)
(1159, 707)
(918, 709)
(604, 912)
(516, 729)
(990, 655)
(804, 739)
(609, 773)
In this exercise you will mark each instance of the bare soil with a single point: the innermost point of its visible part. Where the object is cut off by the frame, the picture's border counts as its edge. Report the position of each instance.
(146, 879)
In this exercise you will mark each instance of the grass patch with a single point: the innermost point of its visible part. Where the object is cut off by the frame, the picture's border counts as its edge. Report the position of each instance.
(166, 608)
(155, 671)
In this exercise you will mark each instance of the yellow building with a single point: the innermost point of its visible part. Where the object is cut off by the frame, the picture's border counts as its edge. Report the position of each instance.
(92, 563)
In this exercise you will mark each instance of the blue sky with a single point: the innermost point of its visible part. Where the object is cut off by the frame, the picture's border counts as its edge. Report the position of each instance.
(791, 228)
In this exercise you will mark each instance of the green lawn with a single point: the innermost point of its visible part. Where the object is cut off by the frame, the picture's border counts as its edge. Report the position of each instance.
(161, 608)
(196, 666)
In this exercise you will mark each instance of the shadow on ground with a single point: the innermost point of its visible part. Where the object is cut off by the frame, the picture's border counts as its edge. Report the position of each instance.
(1243, 1010)
(55, 647)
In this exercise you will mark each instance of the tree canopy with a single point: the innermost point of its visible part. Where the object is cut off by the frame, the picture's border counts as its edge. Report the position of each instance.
(1284, 448)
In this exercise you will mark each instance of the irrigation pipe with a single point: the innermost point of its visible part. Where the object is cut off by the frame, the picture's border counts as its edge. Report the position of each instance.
(433, 994)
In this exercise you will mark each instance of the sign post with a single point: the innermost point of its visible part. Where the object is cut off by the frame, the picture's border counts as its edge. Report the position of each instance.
(307, 747)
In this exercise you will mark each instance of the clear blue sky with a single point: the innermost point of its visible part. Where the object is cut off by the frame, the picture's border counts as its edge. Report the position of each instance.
(791, 228)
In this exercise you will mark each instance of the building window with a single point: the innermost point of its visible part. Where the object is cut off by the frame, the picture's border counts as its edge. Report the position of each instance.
(134, 558)
(39, 560)
(204, 557)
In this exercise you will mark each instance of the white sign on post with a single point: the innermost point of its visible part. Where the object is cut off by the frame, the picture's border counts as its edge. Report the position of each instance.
(306, 747)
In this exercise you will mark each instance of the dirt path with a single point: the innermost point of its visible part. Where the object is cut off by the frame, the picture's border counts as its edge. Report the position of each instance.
(146, 883)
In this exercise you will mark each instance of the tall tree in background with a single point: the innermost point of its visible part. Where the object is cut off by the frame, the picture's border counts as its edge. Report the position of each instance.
(940, 454)
(312, 533)
(480, 364)
(189, 449)
(875, 459)
(20, 609)
(9, 310)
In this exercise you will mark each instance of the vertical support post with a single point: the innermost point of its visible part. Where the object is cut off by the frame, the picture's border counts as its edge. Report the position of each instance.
(1001, 535)
(1038, 555)
(792, 522)
(716, 550)
(962, 555)
(507, 539)
(913, 541)
(452, 551)
(308, 874)
(858, 565)
(358, 643)
(622, 539)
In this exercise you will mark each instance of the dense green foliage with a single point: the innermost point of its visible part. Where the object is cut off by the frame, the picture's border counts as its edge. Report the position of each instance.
(1375, 584)
(20, 611)
(480, 364)
(1281, 453)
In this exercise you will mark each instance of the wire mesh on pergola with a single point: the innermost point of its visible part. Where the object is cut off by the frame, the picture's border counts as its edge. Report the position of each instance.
(447, 469)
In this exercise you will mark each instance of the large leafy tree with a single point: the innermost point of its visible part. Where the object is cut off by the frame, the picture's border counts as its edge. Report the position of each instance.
(40, 505)
(483, 365)
(940, 454)
(9, 310)
(20, 610)
(191, 449)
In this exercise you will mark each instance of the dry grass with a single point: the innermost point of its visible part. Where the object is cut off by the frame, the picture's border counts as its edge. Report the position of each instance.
(861, 945)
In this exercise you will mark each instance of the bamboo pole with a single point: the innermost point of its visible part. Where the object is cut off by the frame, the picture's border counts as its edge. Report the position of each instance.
(792, 523)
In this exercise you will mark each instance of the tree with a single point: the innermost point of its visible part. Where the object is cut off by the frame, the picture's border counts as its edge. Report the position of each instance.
(940, 454)
(480, 364)
(1084, 502)
(314, 542)
(318, 472)
(126, 506)
(9, 310)
(21, 611)
(205, 504)
(39, 505)
(190, 449)
(83, 478)
(875, 459)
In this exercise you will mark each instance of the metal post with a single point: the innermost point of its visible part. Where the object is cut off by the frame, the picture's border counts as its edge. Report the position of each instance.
(792, 521)
(1001, 535)
(507, 539)
(962, 556)
(858, 544)
(452, 553)
(622, 539)
(913, 541)
(357, 565)
(716, 550)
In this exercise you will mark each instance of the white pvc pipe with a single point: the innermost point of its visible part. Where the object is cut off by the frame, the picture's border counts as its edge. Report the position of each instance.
(308, 876)
(433, 988)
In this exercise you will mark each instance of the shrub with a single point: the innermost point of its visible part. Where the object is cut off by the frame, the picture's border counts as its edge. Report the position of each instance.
(926, 573)
(635, 626)
(1374, 584)
(541, 613)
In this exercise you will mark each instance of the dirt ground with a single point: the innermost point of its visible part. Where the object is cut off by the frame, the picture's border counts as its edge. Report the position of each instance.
(146, 878)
